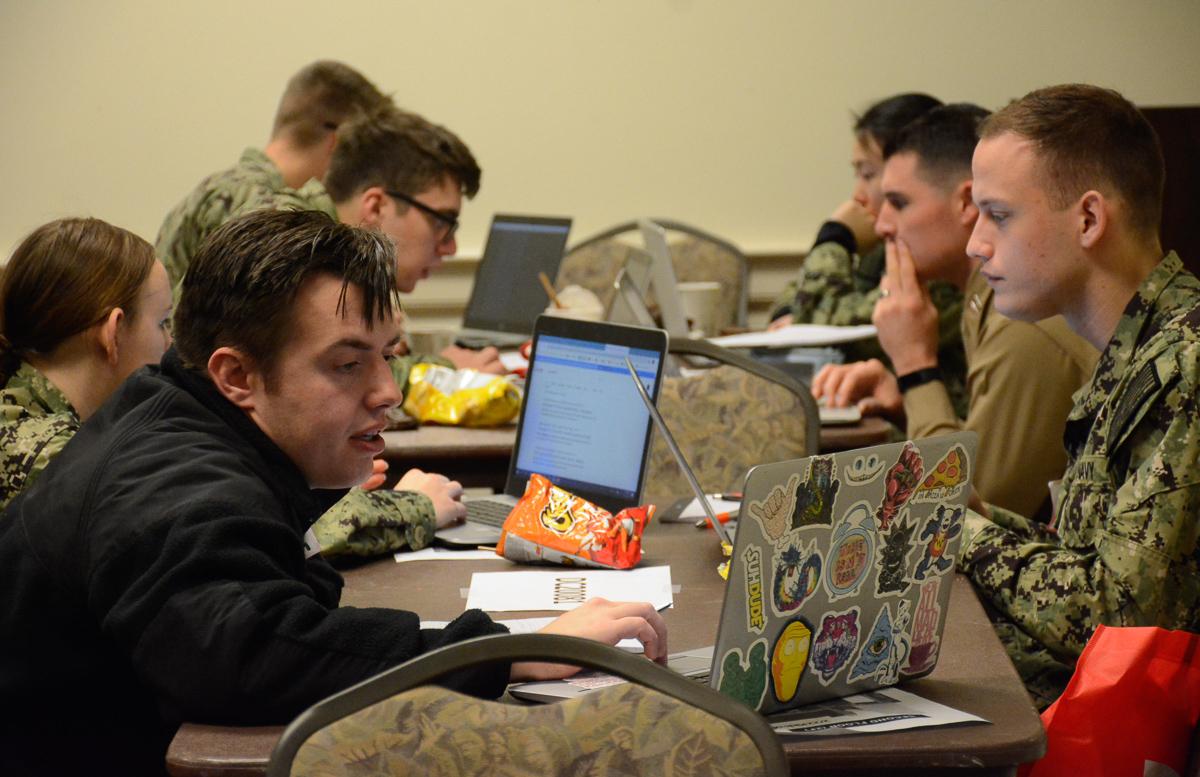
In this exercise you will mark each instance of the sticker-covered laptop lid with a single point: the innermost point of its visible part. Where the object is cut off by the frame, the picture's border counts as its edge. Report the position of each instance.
(841, 571)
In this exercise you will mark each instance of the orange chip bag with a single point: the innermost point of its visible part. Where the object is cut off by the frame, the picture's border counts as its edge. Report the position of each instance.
(555, 526)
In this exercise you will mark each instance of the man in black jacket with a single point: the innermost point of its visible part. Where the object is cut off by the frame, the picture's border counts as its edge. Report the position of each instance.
(158, 571)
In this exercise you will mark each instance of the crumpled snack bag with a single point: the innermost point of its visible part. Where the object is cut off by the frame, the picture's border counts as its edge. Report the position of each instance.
(555, 526)
(441, 395)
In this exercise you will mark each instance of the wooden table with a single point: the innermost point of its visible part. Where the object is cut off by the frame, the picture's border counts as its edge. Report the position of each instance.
(973, 673)
(479, 457)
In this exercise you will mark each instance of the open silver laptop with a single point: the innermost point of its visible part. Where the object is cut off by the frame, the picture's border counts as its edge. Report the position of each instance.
(840, 577)
(507, 297)
(644, 270)
(580, 426)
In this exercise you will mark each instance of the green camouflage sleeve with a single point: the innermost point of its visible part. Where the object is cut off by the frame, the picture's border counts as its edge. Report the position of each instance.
(1128, 558)
(402, 365)
(371, 523)
(835, 287)
(29, 449)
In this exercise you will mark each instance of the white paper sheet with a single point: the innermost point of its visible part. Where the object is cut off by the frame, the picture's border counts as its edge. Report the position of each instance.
(566, 589)
(443, 554)
(797, 336)
(887, 709)
(531, 625)
(694, 511)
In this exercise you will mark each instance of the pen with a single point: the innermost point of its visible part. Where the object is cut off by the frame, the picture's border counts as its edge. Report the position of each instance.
(722, 517)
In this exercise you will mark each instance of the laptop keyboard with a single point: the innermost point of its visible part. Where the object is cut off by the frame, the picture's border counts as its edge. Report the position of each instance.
(488, 512)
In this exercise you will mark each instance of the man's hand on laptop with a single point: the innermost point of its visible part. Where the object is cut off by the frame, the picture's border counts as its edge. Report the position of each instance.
(867, 384)
(446, 494)
(483, 360)
(603, 621)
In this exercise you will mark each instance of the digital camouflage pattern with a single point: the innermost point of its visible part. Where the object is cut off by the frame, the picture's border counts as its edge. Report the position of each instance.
(838, 288)
(1126, 550)
(36, 421)
(621, 730)
(372, 523)
(254, 183)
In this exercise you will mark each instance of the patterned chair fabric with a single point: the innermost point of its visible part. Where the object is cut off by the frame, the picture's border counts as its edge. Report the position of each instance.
(622, 730)
(594, 264)
(725, 420)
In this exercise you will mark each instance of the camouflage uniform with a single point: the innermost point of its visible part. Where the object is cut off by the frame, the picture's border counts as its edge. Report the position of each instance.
(839, 287)
(1126, 551)
(36, 421)
(252, 184)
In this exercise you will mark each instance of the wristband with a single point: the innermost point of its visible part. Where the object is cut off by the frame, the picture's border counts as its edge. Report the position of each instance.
(918, 378)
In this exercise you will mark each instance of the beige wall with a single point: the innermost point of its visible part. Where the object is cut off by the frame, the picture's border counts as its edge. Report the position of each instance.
(732, 116)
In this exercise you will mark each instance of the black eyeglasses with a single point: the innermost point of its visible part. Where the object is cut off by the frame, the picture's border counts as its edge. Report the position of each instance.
(449, 222)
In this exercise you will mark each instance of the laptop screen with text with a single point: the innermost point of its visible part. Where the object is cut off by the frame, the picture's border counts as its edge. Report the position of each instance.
(584, 425)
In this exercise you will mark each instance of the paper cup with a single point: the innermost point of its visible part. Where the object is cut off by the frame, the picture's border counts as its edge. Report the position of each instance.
(700, 300)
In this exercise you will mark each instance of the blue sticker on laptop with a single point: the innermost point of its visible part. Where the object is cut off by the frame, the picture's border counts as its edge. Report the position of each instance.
(797, 573)
(884, 649)
(851, 552)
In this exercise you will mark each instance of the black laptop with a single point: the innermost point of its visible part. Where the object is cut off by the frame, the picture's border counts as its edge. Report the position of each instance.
(507, 296)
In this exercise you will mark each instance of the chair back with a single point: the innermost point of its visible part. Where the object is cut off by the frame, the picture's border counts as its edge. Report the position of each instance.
(395, 723)
(727, 418)
(695, 255)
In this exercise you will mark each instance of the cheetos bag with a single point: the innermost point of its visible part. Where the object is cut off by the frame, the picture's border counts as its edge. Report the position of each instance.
(552, 525)
(1130, 709)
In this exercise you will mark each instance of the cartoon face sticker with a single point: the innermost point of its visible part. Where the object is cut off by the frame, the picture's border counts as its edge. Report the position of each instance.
(884, 649)
(797, 573)
(946, 477)
(774, 512)
(851, 552)
(752, 565)
(863, 469)
(893, 557)
(745, 679)
(789, 658)
(835, 643)
(901, 480)
(923, 654)
(943, 526)
(814, 497)
(556, 515)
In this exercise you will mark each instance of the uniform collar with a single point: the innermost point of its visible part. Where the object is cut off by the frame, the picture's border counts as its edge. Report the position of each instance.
(30, 392)
(1138, 322)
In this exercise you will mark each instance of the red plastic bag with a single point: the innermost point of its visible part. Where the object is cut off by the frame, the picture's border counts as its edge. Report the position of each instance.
(1130, 709)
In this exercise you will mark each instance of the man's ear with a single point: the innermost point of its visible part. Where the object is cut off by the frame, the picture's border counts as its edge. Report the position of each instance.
(108, 335)
(1092, 212)
(965, 205)
(235, 376)
(371, 203)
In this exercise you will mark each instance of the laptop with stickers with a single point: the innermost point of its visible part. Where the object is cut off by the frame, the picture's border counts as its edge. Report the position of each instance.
(841, 572)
